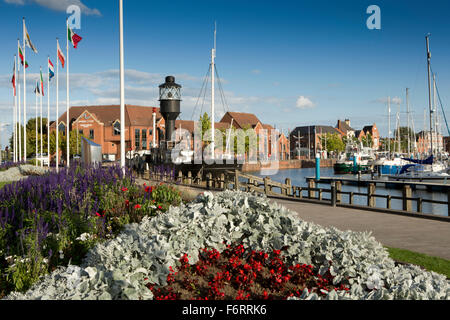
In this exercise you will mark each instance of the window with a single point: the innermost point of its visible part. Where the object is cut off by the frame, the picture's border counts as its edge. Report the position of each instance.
(91, 134)
(144, 139)
(116, 130)
(62, 128)
(137, 138)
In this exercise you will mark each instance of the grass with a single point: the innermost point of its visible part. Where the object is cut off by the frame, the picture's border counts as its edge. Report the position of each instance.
(430, 263)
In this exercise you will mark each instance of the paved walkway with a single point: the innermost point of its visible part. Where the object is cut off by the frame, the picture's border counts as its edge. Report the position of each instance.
(415, 234)
(431, 237)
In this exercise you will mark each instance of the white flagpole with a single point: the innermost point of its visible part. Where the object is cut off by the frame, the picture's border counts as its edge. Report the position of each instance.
(67, 95)
(42, 85)
(19, 104)
(24, 96)
(48, 112)
(36, 127)
(15, 113)
(57, 106)
(122, 89)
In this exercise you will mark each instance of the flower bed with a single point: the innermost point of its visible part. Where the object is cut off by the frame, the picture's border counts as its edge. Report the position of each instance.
(240, 274)
(116, 269)
(52, 220)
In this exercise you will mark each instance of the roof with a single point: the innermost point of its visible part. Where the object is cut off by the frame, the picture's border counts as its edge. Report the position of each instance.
(343, 126)
(368, 129)
(243, 119)
(108, 114)
(305, 130)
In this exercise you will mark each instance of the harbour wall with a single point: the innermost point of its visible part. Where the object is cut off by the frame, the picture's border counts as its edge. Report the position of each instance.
(289, 164)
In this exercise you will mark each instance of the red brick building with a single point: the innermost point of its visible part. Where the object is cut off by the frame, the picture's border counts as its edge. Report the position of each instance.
(241, 120)
(101, 124)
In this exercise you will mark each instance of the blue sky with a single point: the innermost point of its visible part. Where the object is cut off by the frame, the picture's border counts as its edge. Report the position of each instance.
(289, 62)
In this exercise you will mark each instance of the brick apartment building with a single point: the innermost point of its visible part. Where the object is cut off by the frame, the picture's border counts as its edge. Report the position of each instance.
(101, 124)
(424, 142)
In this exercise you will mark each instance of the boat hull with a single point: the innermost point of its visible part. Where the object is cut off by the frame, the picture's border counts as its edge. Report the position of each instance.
(346, 168)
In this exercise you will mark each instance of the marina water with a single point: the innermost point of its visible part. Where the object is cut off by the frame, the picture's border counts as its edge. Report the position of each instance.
(298, 178)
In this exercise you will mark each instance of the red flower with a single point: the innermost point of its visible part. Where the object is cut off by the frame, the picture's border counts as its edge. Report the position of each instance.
(138, 206)
(124, 189)
(159, 207)
(98, 214)
(127, 202)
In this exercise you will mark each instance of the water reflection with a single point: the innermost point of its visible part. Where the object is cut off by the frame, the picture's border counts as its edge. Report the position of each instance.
(298, 178)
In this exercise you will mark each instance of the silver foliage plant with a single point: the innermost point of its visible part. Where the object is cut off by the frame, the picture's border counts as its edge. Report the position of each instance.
(116, 269)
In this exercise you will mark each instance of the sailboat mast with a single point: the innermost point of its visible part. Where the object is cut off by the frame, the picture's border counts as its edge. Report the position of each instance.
(389, 126)
(429, 90)
(407, 111)
(213, 68)
(436, 149)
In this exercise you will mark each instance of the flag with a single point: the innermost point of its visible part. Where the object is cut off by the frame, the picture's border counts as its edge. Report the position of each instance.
(73, 37)
(36, 90)
(42, 84)
(61, 56)
(51, 70)
(27, 39)
(21, 57)
(13, 80)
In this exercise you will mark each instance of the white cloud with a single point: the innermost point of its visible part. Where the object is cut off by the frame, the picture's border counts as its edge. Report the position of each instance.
(304, 103)
(57, 5)
(384, 100)
(256, 71)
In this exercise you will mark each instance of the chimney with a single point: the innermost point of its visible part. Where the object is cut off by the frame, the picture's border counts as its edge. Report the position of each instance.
(347, 121)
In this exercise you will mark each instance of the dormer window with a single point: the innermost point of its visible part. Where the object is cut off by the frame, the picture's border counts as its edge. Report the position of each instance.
(62, 127)
(116, 128)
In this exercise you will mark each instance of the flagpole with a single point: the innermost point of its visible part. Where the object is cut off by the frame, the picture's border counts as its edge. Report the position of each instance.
(42, 93)
(19, 104)
(67, 94)
(15, 113)
(36, 126)
(122, 89)
(48, 112)
(57, 106)
(24, 96)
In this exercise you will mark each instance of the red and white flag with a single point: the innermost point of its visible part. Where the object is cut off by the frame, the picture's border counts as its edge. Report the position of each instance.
(61, 56)
(13, 80)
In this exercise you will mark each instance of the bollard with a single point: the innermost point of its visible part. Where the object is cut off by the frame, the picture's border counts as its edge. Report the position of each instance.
(317, 167)
(236, 180)
(333, 194)
(180, 176)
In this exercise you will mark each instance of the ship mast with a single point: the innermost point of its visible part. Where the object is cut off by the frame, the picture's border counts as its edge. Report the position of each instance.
(429, 91)
(213, 56)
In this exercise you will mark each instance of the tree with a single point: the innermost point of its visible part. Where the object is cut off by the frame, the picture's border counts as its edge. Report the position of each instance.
(332, 142)
(404, 131)
(31, 136)
(367, 140)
